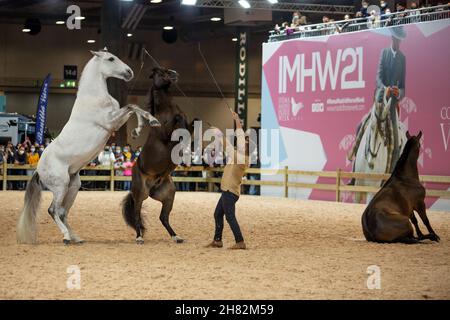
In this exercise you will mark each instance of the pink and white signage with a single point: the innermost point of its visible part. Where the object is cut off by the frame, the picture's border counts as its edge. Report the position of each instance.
(317, 90)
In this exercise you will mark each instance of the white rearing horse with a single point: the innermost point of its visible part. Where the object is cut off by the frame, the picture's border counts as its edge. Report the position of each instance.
(95, 116)
(374, 151)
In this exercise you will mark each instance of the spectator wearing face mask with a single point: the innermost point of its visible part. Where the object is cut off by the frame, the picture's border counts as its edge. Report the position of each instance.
(136, 153)
(9, 158)
(295, 19)
(32, 159)
(415, 14)
(118, 151)
(20, 158)
(119, 167)
(363, 10)
(127, 172)
(383, 7)
(105, 158)
(41, 150)
(127, 152)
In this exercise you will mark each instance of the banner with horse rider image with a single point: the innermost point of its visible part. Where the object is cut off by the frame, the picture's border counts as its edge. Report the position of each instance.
(347, 100)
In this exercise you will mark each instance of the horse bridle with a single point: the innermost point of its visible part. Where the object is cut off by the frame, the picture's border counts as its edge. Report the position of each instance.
(377, 130)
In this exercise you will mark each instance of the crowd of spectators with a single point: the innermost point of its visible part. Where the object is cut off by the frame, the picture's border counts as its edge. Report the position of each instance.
(366, 17)
(123, 160)
(28, 153)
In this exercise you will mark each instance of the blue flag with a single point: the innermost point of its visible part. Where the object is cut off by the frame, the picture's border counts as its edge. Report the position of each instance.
(41, 113)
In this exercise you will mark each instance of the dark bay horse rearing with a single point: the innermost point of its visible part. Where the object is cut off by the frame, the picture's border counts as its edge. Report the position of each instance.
(151, 174)
(387, 217)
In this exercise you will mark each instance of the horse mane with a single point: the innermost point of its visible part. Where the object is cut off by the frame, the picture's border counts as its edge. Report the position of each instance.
(84, 72)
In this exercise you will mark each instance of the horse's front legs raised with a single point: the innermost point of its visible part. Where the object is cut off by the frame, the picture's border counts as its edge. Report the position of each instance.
(421, 210)
(120, 117)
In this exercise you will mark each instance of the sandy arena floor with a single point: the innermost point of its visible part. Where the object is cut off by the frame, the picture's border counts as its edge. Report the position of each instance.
(297, 250)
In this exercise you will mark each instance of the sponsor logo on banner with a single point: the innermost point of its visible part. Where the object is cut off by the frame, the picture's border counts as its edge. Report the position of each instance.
(241, 85)
(41, 114)
(339, 80)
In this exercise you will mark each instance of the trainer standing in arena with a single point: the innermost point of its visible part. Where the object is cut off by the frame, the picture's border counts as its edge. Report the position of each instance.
(231, 190)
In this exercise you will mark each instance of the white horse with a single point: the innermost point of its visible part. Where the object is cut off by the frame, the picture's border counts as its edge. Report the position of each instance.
(375, 149)
(95, 116)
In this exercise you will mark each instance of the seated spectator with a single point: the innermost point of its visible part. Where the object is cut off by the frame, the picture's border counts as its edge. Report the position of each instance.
(414, 14)
(343, 25)
(363, 10)
(388, 18)
(400, 13)
(360, 22)
(383, 7)
(295, 19)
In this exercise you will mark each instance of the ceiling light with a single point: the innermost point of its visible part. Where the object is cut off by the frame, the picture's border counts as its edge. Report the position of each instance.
(155, 1)
(129, 35)
(215, 19)
(273, 1)
(189, 2)
(91, 41)
(244, 4)
(80, 18)
(60, 22)
(234, 39)
(26, 30)
(168, 28)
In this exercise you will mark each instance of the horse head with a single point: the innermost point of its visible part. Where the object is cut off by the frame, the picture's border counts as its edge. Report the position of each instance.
(413, 144)
(163, 78)
(112, 67)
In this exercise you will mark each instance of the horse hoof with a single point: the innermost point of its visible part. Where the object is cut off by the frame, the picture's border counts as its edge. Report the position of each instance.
(140, 240)
(155, 123)
(66, 242)
(177, 239)
(435, 237)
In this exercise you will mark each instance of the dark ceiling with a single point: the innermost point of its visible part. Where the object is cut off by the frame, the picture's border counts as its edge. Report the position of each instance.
(156, 16)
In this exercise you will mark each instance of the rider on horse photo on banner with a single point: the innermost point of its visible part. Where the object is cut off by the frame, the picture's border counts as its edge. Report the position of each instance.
(380, 136)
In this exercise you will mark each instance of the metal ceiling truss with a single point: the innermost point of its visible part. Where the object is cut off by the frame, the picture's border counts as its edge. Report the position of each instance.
(134, 16)
(280, 6)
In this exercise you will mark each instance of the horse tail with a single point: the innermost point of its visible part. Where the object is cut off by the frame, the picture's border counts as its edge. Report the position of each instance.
(26, 226)
(128, 213)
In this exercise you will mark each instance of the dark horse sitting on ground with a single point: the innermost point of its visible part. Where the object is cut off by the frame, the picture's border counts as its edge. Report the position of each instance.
(151, 174)
(387, 217)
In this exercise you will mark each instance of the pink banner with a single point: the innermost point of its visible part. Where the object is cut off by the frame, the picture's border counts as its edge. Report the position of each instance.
(321, 88)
